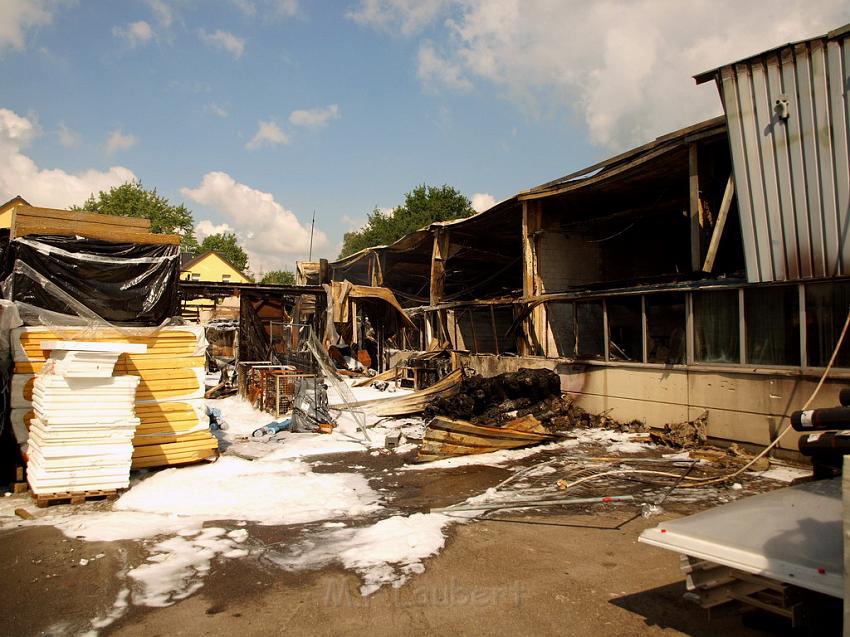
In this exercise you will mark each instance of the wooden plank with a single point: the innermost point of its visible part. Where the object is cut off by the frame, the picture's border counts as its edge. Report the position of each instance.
(73, 216)
(22, 220)
(468, 440)
(115, 234)
(725, 204)
(448, 450)
(494, 432)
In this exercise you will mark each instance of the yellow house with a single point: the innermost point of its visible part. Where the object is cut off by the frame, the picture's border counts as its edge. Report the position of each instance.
(210, 266)
(8, 208)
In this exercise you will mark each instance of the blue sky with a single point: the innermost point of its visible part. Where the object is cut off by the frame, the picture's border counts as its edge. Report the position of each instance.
(255, 113)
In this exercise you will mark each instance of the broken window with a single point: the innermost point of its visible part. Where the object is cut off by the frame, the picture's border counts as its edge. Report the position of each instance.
(665, 328)
(716, 327)
(591, 339)
(827, 305)
(476, 327)
(563, 327)
(504, 318)
(772, 316)
(624, 329)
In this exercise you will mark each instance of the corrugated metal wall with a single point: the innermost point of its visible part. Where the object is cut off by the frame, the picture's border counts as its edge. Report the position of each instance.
(792, 177)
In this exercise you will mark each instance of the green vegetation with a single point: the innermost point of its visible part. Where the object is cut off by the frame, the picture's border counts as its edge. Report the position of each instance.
(422, 206)
(227, 244)
(132, 200)
(279, 277)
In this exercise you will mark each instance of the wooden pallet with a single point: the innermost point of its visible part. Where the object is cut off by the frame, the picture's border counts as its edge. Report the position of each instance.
(20, 484)
(43, 500)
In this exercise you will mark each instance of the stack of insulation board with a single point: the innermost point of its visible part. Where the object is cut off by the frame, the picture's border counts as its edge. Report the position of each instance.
(174, 427)
(81, 436)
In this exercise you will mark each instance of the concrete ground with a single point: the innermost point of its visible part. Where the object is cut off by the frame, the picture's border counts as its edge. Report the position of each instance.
(552, 575)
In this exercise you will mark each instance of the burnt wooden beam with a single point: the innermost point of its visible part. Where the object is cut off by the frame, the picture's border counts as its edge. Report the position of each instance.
(693, 192)
(725, 205)
(439, 255)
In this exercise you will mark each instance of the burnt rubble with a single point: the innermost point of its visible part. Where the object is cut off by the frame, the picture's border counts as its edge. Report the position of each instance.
(497, 400)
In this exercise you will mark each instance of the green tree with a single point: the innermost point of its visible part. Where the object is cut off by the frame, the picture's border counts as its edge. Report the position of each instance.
(278, 277)
(422, 206)
(132, 200)
(228, 245)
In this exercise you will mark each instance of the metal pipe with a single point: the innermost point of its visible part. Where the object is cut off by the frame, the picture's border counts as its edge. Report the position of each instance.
(519, 504)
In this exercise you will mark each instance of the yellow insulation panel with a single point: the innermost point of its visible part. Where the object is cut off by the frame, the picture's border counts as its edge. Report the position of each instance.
(157, 385)
(166, 342)
(179, 417)
(128, 364)
(172, 459)
(166, 437)
(170, 448)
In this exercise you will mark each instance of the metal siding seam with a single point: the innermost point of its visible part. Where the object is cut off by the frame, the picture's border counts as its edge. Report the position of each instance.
(767, 155)
(783, 173)
(729, 93)
(749, 128)
(798, 173)
(820, 93)
(839, 77)
(811, 183)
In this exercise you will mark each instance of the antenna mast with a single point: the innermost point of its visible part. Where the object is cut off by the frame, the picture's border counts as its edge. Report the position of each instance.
(312, 225)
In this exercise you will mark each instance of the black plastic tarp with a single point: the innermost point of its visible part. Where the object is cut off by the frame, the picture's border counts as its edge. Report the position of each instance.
(122, 283)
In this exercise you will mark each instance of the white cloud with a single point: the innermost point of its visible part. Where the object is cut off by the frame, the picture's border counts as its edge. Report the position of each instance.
(135, 33)
(286, 8)
(205, 228)
(624, 68)
(19, 16)
(482, 201)
(405, 16)
(117, 140)
(314, 117)
(162, 11)
(433, 68)
(224, 40)
(272, 236)
(215, 109)
(67, 137)
(245, 6)
(268, 134)
(54, 188)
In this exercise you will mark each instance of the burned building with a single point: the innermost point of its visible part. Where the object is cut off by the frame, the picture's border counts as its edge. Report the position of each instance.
(705, 271)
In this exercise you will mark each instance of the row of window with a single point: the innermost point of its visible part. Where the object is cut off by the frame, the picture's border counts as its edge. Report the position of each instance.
(752, 326)
(759, 326)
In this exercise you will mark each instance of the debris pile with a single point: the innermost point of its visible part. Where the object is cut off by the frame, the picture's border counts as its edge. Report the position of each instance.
(683, 435)
(500, 399)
